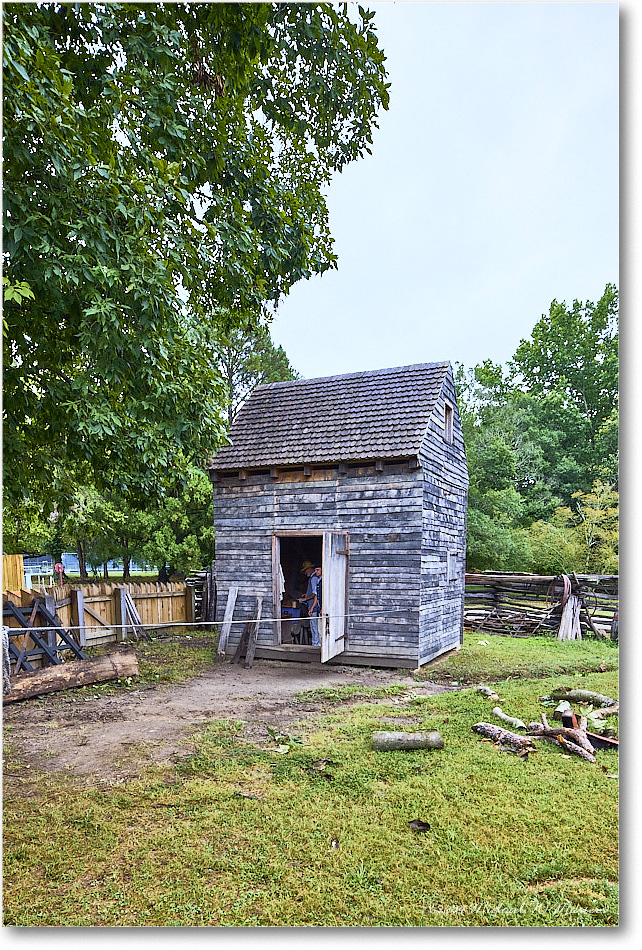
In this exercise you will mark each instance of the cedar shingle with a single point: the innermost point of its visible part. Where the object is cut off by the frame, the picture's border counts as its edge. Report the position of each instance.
(355, 417)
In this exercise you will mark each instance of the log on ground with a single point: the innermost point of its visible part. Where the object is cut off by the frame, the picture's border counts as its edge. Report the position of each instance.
(503, 737)
(392, 741)
(99, 669)
(569, 746)
(583, 696)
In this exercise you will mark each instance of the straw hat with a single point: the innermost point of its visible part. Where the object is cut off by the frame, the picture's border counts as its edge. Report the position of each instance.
(306, 566)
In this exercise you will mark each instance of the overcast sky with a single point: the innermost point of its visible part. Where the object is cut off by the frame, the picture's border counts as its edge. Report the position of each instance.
(491, 190)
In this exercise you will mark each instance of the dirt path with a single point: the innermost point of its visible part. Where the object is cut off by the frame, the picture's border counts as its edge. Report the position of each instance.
(114, 737)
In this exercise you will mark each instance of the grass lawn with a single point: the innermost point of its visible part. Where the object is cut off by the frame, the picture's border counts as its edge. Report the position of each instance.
(485, 658)
(316, 832)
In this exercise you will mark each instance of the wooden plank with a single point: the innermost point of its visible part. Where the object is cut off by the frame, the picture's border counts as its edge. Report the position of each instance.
(227, 620)
(251, 645)
(120, 613)
(96, 616)
(78, 614)
(13, 572)
(241, 646)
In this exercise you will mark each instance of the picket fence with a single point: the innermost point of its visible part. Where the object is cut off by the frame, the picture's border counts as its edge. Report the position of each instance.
(97, 609)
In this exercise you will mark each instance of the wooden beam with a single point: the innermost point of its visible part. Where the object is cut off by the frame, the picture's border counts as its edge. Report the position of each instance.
(77, 600)
(251, 646)
(96, 616)
(227, 621)
(120, 613)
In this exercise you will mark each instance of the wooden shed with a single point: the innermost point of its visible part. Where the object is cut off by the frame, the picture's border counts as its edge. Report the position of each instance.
(365, 474)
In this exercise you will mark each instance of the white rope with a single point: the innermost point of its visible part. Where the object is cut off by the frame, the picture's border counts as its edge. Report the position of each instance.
(19, 631)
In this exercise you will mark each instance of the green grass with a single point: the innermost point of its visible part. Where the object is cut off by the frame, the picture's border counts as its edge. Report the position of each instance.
(502, 658)
(239, 835)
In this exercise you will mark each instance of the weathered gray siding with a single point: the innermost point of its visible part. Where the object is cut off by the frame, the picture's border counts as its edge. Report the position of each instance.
(381, 511)
(445, 490)
(402, 523)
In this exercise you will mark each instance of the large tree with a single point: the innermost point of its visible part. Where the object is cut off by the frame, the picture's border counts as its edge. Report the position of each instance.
(246, 359)
(162, 162)
(569, 368)
(540, 434)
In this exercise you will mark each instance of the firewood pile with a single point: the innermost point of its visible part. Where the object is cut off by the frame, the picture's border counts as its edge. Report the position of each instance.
(571, 736)
(520, 605)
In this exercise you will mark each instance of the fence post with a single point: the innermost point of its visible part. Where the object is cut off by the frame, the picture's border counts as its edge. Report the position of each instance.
(120, 613)
(78, 614)
(190, 604)
(52, 636)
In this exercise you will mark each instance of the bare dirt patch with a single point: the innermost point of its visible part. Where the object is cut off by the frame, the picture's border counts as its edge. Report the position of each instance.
(115, 737)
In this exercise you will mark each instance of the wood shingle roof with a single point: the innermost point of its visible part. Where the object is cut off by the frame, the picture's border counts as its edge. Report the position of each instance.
(382, 414)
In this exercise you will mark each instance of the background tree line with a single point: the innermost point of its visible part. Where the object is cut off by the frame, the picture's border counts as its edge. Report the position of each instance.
(541, 440)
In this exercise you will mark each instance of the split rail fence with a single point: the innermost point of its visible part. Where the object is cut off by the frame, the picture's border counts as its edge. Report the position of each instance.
(524, 604)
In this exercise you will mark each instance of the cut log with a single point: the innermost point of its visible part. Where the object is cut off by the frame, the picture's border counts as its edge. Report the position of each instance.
(509, 720)
(503, 737)
(487, 691)
(392, 741)
(607, 711)
(583, 696)
(576, 736)
(75, 673)
(569, 746)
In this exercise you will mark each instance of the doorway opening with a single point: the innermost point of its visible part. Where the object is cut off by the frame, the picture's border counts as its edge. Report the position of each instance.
(292, 553)
(295, 554)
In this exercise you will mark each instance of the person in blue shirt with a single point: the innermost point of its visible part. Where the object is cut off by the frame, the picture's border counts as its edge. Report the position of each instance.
(313, 599)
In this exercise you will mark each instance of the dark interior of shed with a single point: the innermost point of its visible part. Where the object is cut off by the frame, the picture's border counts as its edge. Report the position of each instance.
(296, 552)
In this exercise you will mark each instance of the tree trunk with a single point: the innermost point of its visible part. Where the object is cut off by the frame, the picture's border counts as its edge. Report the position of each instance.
(583, 696)
(503, 737)
(74, 673)
(105, 571)
(126, 566)
(82, 563)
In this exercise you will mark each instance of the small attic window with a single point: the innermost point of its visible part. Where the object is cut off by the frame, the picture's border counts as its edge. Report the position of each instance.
(448, 423)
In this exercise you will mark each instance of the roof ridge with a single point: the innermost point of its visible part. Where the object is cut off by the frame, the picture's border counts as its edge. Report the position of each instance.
(384, 371)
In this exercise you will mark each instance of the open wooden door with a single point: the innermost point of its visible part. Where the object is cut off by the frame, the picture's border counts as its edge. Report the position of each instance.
(335, 589)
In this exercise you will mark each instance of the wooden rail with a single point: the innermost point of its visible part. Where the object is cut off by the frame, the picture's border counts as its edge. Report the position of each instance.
(523, 604)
